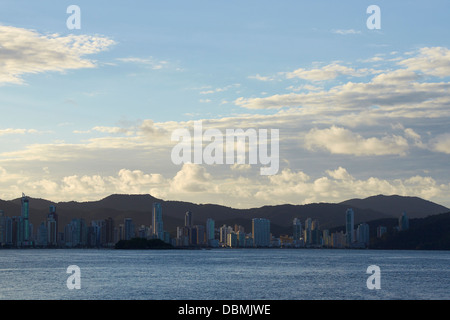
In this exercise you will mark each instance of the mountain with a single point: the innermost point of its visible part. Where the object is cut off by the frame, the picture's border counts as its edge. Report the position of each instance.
(139, 208)
(394, 205)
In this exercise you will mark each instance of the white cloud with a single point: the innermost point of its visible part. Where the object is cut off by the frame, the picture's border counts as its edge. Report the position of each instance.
(400, 92)
(433, 61)
(150, 62)
(411, 134)
(112, 130)
(392, 94)
(26, 51)
(240, 167)
(191, 178)
(195, 184)
(441, 143)
(339, 185)
(222, 89)
(346, 31)
(11, 131)
(306, 87)
(342, 141)
(340, 174)
(327, 72)
(261, 78)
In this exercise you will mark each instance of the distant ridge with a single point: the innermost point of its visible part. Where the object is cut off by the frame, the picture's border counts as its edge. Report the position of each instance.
(394, 205)
(139, 208)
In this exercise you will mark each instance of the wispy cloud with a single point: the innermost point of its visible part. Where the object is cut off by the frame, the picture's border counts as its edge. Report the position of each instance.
(151, 62)
(222, 89)
(261, 78)
(328, 72)
(346, 31)
(12, 131)
(27, 51)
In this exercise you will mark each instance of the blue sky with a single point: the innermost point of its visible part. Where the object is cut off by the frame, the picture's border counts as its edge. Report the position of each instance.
(89, 112)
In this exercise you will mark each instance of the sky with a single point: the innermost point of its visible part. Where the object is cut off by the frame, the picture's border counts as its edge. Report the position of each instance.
(89, 112)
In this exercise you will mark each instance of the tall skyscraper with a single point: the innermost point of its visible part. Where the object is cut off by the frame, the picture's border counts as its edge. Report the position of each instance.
(362, 234)
(109, 231)
(380, 231)
(349, 226)
(52, 227)
(403, 222)
(200, 233)
(2, 228)
(308, 229)
(25, 221)
(210, 225)
(75, 233)
(261, 232)
(315, 232)
(297, 229)
(5, 229)
(128, 228)
(157, 222)
(188, 222)
(223, 232)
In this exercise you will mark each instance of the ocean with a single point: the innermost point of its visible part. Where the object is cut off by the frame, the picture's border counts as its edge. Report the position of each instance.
(223, 274)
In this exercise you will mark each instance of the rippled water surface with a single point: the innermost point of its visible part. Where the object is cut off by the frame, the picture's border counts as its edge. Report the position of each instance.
(224, 274)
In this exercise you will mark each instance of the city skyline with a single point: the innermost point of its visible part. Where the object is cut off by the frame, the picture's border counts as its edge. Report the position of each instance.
(90, 112)
(17, 232)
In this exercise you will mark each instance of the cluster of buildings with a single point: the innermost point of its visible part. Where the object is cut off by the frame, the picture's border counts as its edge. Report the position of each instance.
(224, 236)
(17, 231)
(310, 235)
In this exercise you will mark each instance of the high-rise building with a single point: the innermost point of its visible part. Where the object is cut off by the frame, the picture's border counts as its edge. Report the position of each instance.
(380, 231)
(188, 221)
(240, 239)
(326, 238)
(25, 239)
(349, 226)
(403, 222)
(308, 229)
(315, 233)
(128, 228)
(6, 229)
(108, 232)
(362, 234)
(200, 234)
(261, 232)
(52, 227)
(42, 237)
(223, 231)
(193, 236)
(210, 227)
(182, 239)
(157, 222)
(338, 240)
(297, 229)
(75, 233)
(232, 240)
(2, 228)
(96, 232)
